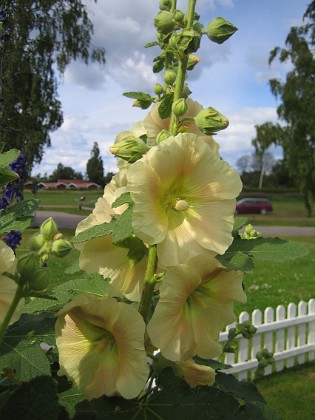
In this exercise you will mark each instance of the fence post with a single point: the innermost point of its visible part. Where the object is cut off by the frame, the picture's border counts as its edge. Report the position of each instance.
(280, 337)
(302, 310)
(311, 329)
(243, 347)
(256, 340)
(268, 338)
(291, 337)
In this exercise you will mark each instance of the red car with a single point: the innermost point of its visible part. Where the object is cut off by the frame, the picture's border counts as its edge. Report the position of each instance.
(253, 205)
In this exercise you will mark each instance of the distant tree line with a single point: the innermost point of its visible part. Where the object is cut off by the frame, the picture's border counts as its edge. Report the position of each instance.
(94, 171)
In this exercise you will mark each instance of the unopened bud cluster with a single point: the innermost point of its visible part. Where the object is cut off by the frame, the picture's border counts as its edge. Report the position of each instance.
(265, 358)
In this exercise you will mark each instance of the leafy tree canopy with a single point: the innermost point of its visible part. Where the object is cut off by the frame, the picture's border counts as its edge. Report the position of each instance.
(64, 172)
(94, 166)
(297, 108)
(42, 36)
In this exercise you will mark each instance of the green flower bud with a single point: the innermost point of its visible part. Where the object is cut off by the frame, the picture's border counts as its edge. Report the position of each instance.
(219, 30)
(40, 279)
(158, 89)
(36, 242)
(60, 248)
(250, 233)
(164, 22)
(192, 61)
(209, 121)
(263, 363)
(131, 149)
(179, 107)
(179, 16)
(186, 41)
(48, 229)
(163, 135)
(265, 353)
(165, 4)
(169, 76)
(259, 356)
(27, 265)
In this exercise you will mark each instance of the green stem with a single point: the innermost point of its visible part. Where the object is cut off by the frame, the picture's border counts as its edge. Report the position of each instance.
(149, 283)
(173, 7)
(182, 68)
(17, 297)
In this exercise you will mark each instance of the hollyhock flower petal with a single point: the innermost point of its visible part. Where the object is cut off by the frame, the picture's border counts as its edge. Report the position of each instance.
(154, 124)
(101, 347)
(196, 375)
(196, 302)
(7, 286)
(184, 198)
(102, 256)
(103, 210)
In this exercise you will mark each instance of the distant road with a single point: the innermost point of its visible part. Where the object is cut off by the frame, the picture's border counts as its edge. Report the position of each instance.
(70, 221)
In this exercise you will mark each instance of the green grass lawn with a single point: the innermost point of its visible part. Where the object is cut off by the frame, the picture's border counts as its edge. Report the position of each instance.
(291, 393)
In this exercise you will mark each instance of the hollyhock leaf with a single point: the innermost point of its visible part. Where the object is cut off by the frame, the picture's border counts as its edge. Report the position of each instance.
(124, 198)
(200, 402)
(69, 399)
(165, 107)
(93, 284)
(18, 217)
(20, 348)
(245, 390)
(36, 400)
(265, 249)
(239, 222)
(141, 96)
(237, 261)
(104, 407)
(7, 157)
(214, 364)
(73, 268)
(123, 227)
(95, 232)
(151, 44)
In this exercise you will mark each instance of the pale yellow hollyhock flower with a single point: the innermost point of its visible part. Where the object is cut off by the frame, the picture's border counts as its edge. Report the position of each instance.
(154, 124)
(195, 374)
(102, 256)
(184, 199)
(101, 347)
(196, 302)
(136, 130)
(103, 211)
(7, 286)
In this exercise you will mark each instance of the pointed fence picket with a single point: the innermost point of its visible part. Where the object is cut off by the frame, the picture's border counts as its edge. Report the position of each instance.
(289, 333)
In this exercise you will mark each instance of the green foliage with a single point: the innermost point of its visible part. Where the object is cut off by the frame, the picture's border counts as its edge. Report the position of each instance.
(18, 217)
(20, 349)
(36, 400)
(93, 284)
(297, 106)
(173, 395)
(94, 166)
(43, 35)
(64, 172)
(242, 253)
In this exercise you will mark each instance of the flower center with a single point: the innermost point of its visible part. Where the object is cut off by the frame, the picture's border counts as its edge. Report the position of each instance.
(105, 342)
(175, 203)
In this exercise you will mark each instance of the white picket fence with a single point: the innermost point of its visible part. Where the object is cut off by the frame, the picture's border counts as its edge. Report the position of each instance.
(289, 333)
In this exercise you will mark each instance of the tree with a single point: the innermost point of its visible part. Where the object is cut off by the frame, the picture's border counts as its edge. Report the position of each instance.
(42, 36)
(243, 164)
(64, 172)
(94, 166)
(297, 109)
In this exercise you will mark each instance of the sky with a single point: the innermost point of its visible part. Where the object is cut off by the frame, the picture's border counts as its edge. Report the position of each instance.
(231, 77)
